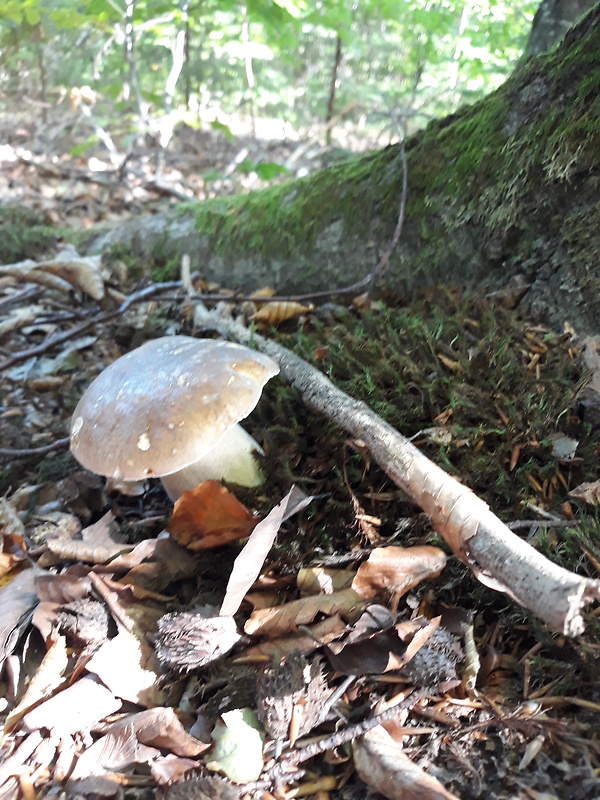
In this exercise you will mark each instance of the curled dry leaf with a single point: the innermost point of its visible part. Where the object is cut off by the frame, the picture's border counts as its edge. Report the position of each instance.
(28, 272)
(397, 569)
(383, 766)
(209, 516)
(81, 272)
(109, 754)
(10, 521)
(279, 311)
(47, 678)
(17, 601)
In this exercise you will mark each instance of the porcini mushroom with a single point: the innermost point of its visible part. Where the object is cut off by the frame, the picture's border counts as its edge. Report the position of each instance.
(169, 409)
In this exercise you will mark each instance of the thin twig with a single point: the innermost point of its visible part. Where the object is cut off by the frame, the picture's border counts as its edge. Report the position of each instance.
(35, 451)
(105, 316)
(354, 731)
(28, 293)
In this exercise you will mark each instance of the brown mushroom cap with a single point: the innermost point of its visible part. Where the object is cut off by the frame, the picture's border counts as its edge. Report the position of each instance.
(163, 406)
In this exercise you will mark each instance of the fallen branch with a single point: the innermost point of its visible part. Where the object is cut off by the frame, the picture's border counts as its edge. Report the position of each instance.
(499, 558)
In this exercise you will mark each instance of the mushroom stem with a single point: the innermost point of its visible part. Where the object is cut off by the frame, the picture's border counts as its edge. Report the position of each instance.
(232, 459)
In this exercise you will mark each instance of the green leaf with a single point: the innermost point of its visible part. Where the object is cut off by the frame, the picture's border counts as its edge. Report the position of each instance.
(225, 130)
(238, 750)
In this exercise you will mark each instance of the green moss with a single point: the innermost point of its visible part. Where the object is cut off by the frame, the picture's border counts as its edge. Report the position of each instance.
(275, 221)
(482, 166)
(458, 374)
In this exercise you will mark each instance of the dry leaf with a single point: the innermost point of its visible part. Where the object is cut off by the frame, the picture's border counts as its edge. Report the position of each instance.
(209, 516)
(46, 680)
(109, 754)
(397, 569)
(137, 683)
(82, 272)
(159, 727)
(282, 619)
(588, 492)
(28, 272)
(77, 708)
(17, 601)
(452, 365)
(277, 312)
(266, 291)
(249, 562)
(325, 631)
(10, 521)
(320, 580)
(383, 766)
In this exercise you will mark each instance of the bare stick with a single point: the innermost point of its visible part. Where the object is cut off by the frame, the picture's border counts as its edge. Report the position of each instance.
(499, 558)
(35, 451)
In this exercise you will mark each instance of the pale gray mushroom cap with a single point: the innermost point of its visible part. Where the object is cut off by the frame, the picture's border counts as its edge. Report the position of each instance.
(166, 404)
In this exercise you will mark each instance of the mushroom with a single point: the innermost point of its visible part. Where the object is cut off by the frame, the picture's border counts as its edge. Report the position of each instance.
(169, 409)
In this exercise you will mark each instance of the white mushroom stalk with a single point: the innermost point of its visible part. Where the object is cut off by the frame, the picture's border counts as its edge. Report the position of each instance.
(170, 410)
(232, 460)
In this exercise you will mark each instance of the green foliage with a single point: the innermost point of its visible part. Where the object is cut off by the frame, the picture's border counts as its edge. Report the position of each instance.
(398, 60)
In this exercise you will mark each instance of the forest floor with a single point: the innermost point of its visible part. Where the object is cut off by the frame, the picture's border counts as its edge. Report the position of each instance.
(491, 702)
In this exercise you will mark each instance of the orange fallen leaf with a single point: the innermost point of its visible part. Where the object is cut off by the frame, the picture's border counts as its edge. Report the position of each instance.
(209, 516)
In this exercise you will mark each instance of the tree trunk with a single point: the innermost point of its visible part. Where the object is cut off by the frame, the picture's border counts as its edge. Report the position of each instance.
(504, 192)
(552, 20)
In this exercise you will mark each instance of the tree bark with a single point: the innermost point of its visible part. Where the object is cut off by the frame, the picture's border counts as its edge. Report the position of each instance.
(552, 20)
(505, 192)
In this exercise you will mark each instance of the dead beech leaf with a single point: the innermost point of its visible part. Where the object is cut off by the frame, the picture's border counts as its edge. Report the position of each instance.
(325, 631)
(381, 763)
(209, 516)
(588, 492)
(320, 580)
(109, 754)
(266, 291)
(279, 311)
(79, 707)
(28, 272)
(10, 521)
(159, 727)
(397, 569)
(81, 272)
(138, 682)
(46, 680)
(17, 601)
(249, 562)
(283, 619)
